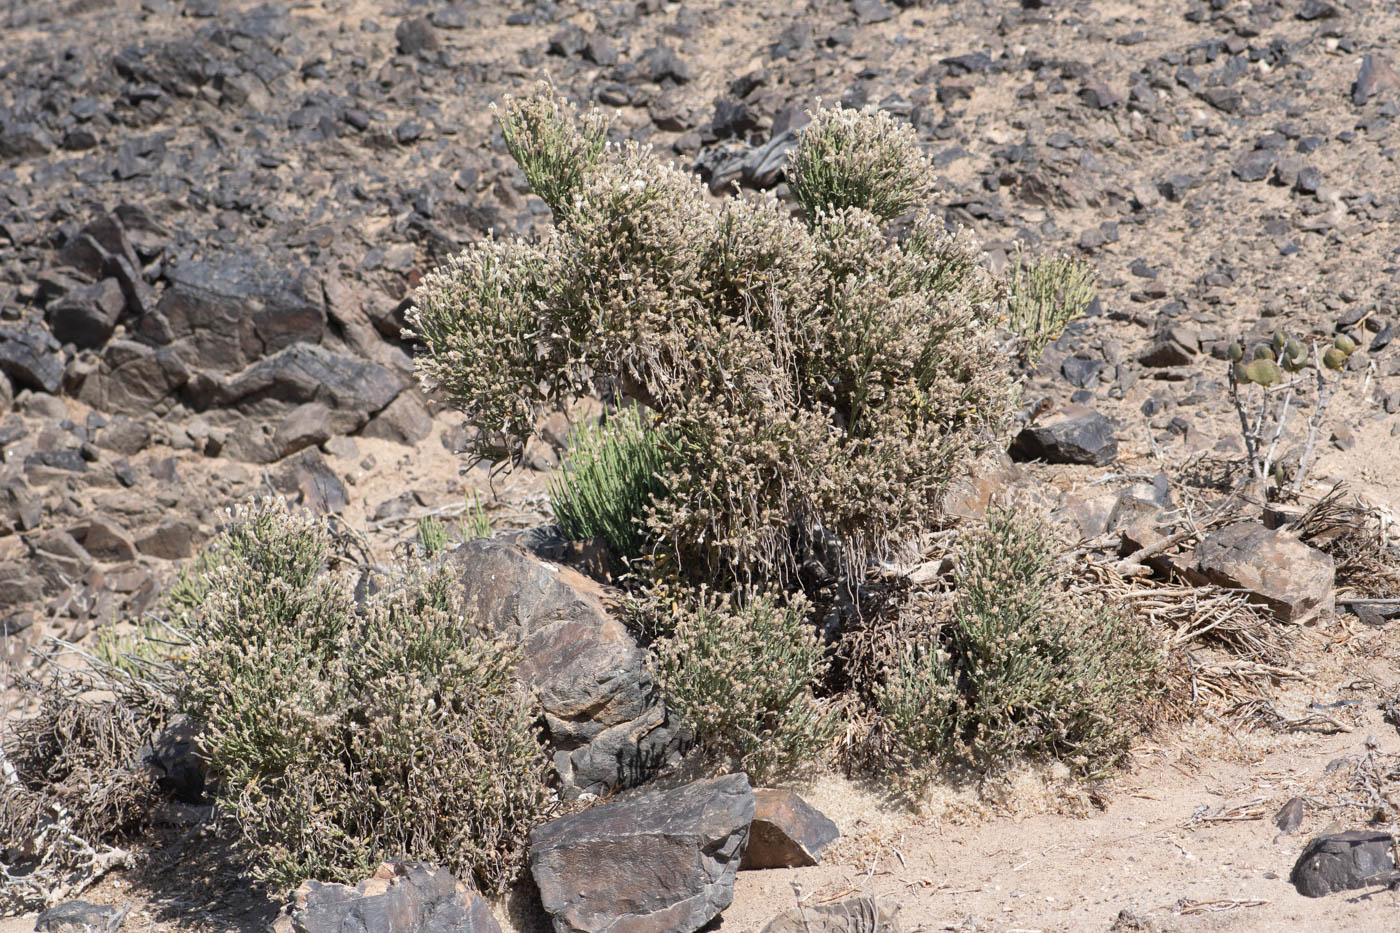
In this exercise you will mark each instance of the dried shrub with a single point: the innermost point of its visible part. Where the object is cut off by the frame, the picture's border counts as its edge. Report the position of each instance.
(73, 783)
(740, 670)
(819, 384)
(341, 738)
(1021, 668)
(612, 473)
(1361, 539)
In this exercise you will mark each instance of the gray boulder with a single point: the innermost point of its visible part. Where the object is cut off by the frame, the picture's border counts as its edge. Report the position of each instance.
(853, 915)
(400, 897)
(662, 862)
(605, 723)
(1343, 862)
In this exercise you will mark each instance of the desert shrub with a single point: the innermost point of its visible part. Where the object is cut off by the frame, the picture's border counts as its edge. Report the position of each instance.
(340, 737)
(851, 158)
(816, 382)
(611, 474)
(740, 668)
(1020, 667)
(1043, 295)
(73, 783)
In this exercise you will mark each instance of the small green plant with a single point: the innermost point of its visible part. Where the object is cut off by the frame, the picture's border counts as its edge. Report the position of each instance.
(432, 536)
(136, 652)
(740, 669)
(1042, 296)
(1020, 667)
(474, 524)
(612, 471)
(1275, 368)
(343, 737)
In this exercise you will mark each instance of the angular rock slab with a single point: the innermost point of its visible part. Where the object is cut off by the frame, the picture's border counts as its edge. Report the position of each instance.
(400, 897)
(853, 915)
(662, 862)
(605, 723)
(1074, 434)
(81, 917)
(1283, 573)
(787, 831)
(1342, 862)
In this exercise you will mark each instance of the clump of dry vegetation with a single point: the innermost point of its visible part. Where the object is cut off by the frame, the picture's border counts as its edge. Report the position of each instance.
(74, 785)
(741, 669)
(1020, 667)
(340, 737)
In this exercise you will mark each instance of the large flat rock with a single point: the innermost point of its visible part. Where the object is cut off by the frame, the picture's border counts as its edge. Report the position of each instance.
(662, 862)
(1276, 569)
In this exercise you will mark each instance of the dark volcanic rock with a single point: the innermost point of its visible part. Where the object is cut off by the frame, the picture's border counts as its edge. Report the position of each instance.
(417, 37)
(86, 316)
(24, 141)
(688, 839)
(232, 310)
(404, 421)
(1289, 816)
(787, 832)
(31, 357)
(1343, 862)
(310, 481)
(1175, 346)
(307, 425)
(351, 388)
(20, 507)
(133, 378)
(1256, 165)
(1226, 99)
(400, 897)
(1081, 371)
(1074, 434)
(605, 723)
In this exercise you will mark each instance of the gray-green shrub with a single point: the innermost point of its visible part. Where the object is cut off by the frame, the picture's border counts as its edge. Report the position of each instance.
(740, 669)
(342, 737)
(1020, 668)
(815, 380)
